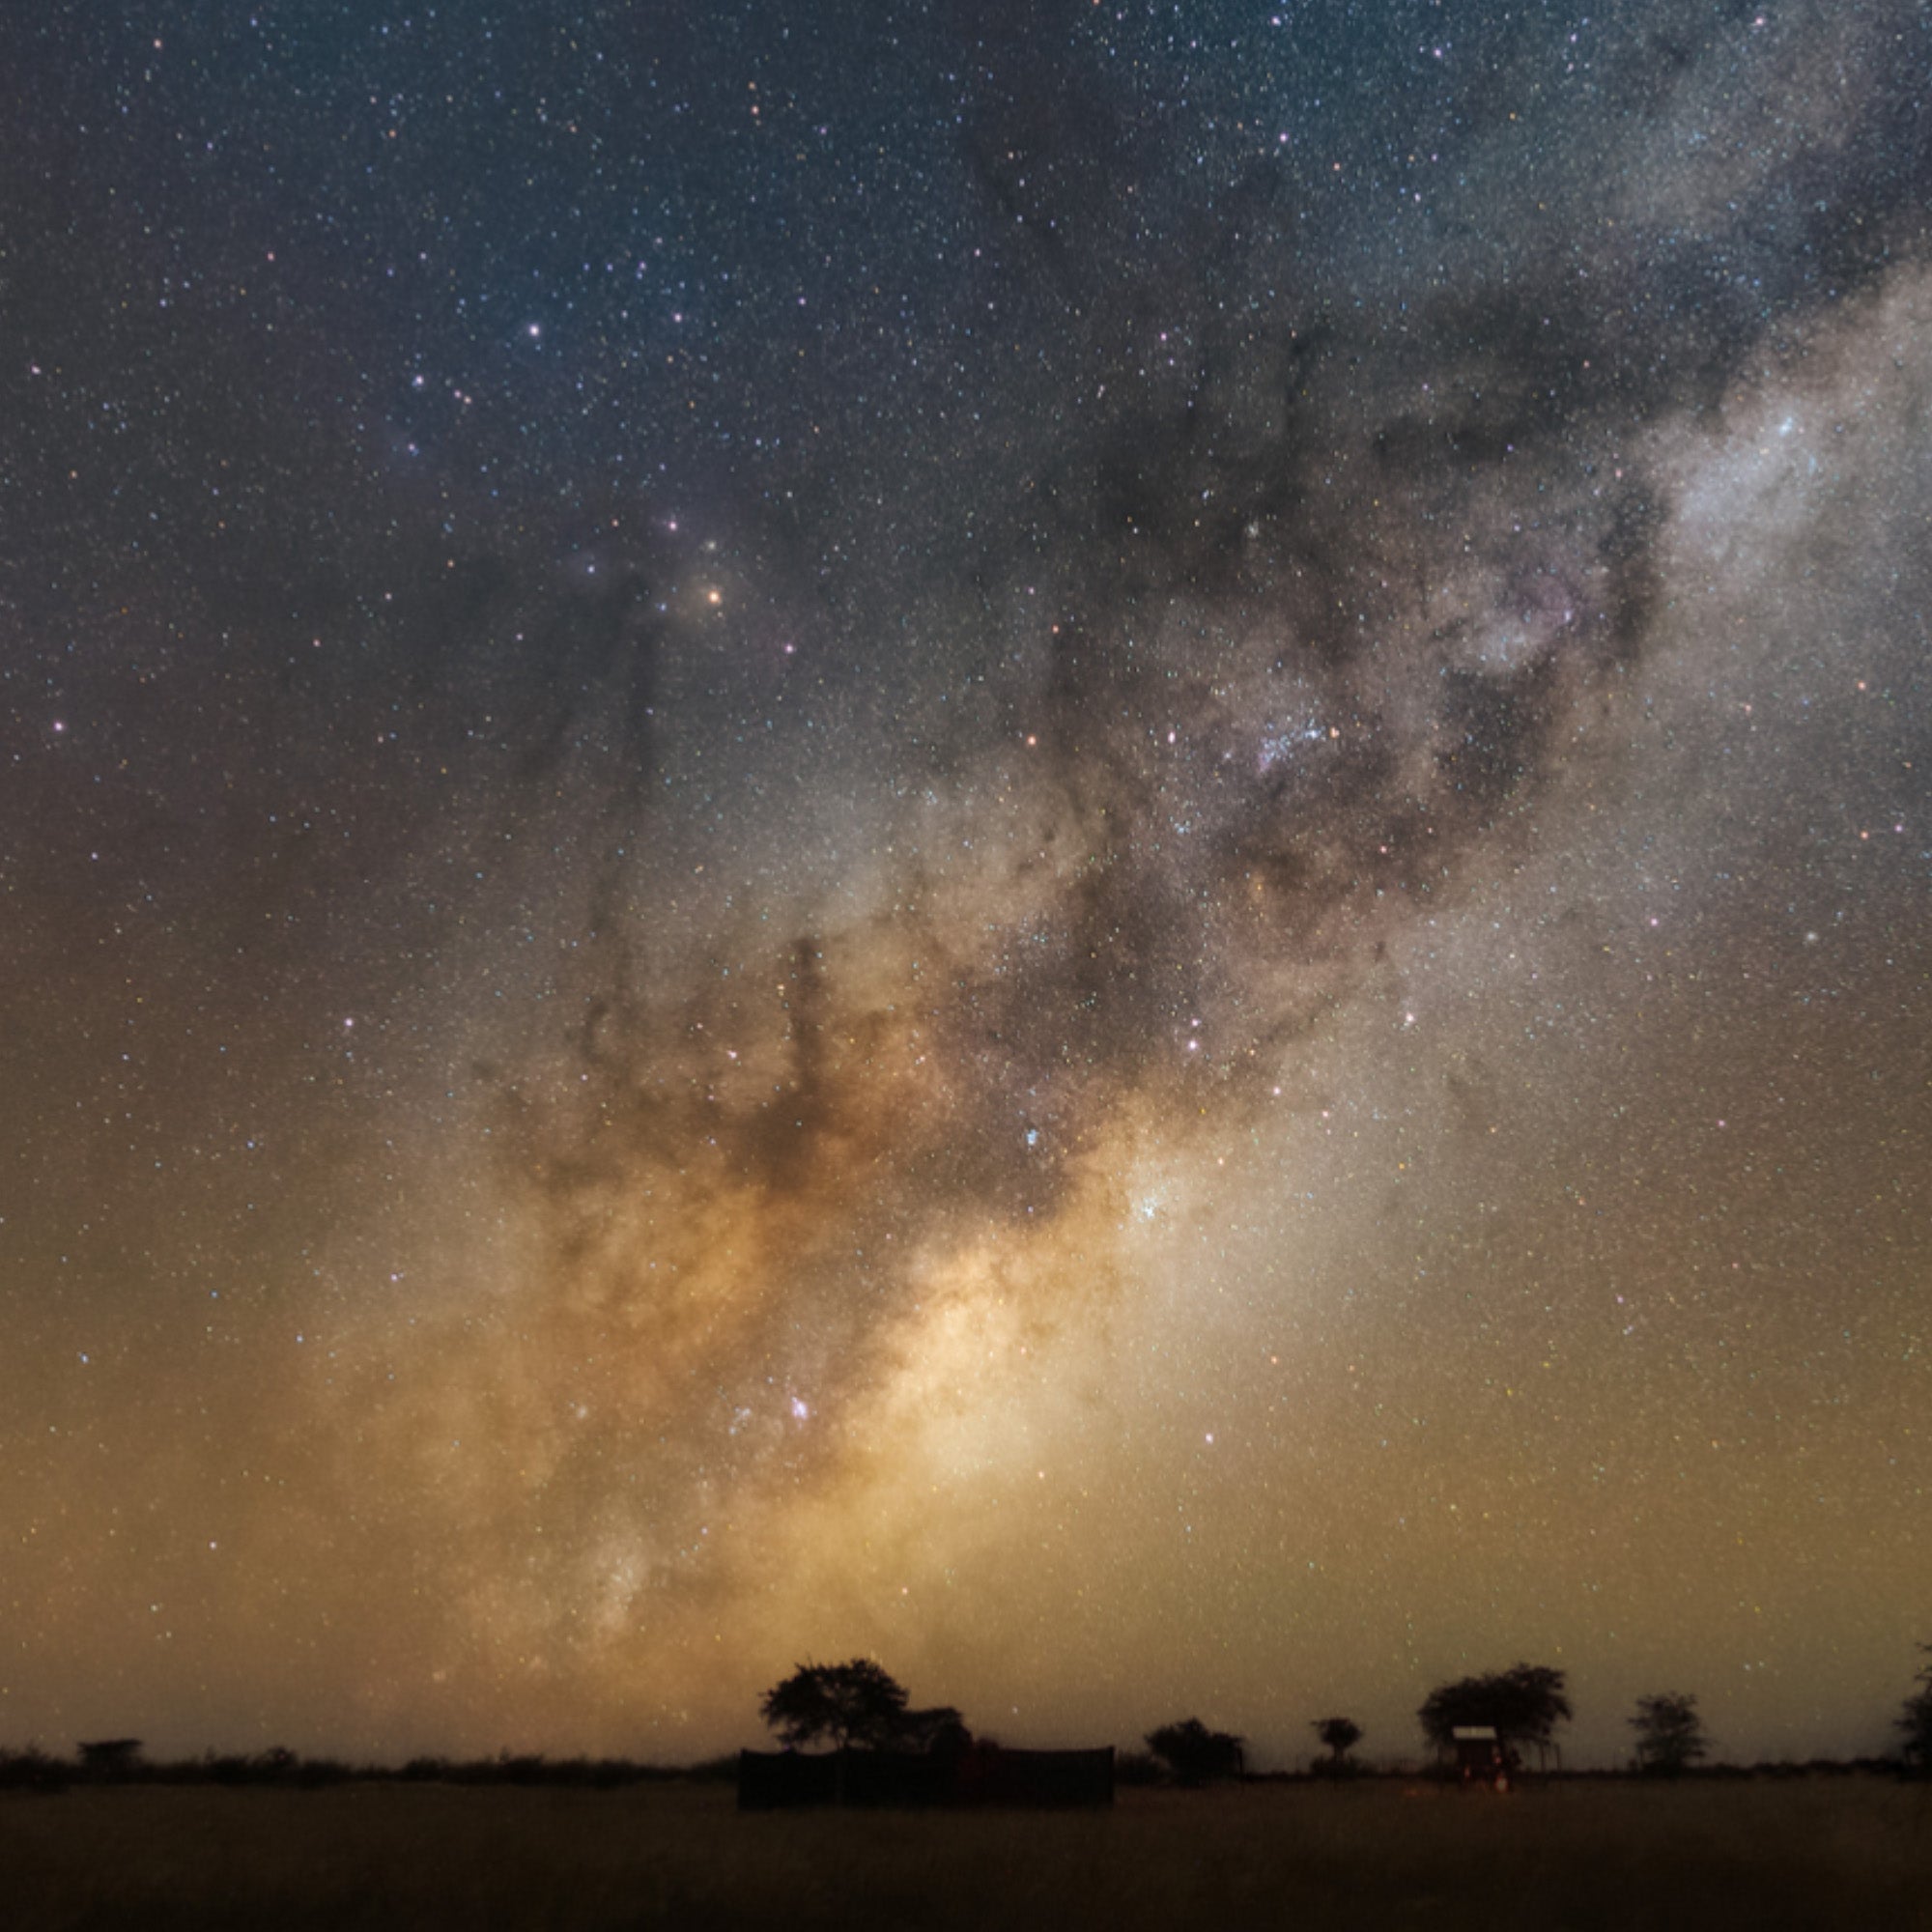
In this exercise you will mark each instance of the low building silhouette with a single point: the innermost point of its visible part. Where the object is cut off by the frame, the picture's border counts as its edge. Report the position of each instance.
(979, 1774)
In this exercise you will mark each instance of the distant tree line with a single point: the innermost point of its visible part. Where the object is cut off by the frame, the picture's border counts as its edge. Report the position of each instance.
(859, 1706)
(36, 1769)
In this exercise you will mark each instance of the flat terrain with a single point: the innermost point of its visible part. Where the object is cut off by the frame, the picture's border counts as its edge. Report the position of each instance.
(1807, 1851)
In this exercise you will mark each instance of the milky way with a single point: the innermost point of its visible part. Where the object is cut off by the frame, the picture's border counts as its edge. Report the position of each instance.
(1088, 844)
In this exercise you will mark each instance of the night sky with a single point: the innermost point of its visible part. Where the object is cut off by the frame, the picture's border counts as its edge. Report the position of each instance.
(1086, 842)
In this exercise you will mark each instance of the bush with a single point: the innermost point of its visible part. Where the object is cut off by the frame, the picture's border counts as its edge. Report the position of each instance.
(1196, 1754)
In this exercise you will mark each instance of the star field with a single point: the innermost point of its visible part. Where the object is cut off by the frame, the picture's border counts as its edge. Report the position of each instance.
(1086, 842)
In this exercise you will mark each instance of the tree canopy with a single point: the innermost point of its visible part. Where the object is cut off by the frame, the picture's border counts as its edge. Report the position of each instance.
(1340, 1735)
(939, 1730)
(1195, 1755)
(1668, 1734)
(853, 1704)
(1524, 1705)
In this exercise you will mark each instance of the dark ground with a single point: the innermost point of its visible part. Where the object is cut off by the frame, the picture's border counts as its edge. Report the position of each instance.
(1852, 1852)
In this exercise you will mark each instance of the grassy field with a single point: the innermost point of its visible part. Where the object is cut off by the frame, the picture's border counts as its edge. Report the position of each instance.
(1839, 1852)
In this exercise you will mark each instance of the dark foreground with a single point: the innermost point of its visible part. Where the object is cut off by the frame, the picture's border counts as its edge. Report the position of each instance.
(1812, 1852)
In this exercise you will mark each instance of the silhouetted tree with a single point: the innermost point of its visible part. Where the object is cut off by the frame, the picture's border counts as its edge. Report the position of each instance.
(1196, 1754)
(1524, 1705)
(1340, 1735)
(1668, 1734)
(854, 1703)
(941, 1731)
(1914, 1719)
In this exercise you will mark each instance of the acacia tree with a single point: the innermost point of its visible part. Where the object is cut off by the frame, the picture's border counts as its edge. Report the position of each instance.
(1195, 1755)
(1522, 1705)
(1668, 1734)
(852, 1703)
(1340, 1735)
(1914, 1719)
